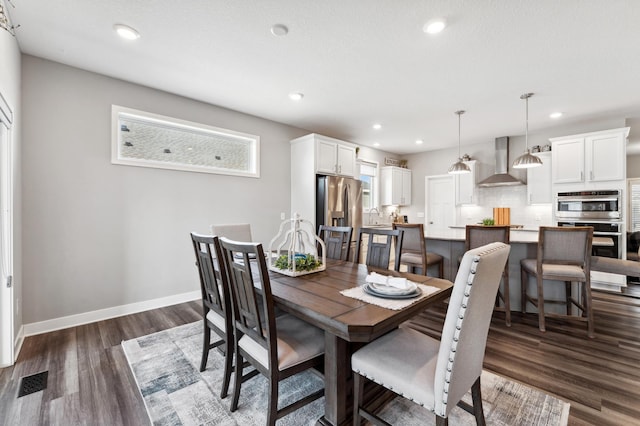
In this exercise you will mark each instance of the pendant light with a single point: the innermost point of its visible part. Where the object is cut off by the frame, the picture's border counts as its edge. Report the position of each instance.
(459, 166)
(527, 160)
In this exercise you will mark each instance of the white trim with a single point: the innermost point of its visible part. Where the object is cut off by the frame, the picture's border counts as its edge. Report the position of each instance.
(103, 314)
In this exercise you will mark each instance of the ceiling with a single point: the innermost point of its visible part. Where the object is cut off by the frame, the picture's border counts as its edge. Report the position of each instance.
(362, 62)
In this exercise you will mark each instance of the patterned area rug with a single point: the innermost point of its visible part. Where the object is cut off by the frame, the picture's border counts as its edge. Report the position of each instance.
(166, 365)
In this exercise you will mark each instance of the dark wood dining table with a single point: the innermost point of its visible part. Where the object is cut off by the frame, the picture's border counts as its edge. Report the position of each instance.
(348, 323)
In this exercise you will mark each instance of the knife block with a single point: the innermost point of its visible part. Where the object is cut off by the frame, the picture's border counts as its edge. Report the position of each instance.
(502, 216)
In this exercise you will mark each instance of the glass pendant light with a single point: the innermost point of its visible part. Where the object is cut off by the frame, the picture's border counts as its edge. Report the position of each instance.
(459, 166)
(527, 160)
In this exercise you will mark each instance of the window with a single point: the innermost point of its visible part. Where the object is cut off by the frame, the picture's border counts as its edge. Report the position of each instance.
(368, 173)
(150, 140)
(634, 205)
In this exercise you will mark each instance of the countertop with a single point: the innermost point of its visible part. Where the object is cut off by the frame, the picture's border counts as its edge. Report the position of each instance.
(457, 233)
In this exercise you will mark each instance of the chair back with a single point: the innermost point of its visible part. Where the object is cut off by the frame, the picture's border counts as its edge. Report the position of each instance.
(235, 231)
(412, 238)
(379, 247)
(213, 280)
(466, 325)
(480, 235)
(565, 245)
(337, 240)
(253, 310)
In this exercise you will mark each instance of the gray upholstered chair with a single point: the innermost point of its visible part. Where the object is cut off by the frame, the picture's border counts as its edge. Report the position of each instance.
(379, 245)
(233, 231)
(436, 374)
(414, 250)
(480, 235)
(564, 254)
(337, 240)
(216, 303)
(276, 346)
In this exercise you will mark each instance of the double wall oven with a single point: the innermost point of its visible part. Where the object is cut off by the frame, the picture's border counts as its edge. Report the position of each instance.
(600, 209)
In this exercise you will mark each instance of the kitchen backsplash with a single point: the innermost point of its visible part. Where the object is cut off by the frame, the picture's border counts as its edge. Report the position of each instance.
(514, 197)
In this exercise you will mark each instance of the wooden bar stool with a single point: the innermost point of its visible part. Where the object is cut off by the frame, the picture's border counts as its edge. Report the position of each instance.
(414, 250)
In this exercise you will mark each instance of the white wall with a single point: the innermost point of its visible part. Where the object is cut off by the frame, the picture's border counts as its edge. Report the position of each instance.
(10, 89)
(437, 163)
(98, 235)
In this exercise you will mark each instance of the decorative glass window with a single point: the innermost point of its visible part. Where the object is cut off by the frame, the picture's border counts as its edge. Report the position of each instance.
(150, 140)
(368, 173)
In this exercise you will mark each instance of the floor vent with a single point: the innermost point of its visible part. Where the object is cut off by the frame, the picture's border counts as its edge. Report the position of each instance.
(33, 383)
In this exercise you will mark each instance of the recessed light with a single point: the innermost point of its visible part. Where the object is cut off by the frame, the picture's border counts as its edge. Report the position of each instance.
(555, 115)
(279, 30)
(377, 126)
(126, 32)
(419, 142)
(434, 26)
(296, 96)
(376, 144)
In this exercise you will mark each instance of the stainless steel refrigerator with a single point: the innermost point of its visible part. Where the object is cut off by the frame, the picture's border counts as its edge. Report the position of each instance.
(338, 202)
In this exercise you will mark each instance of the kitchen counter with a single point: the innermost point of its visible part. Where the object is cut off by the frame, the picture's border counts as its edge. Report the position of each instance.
(456, 233)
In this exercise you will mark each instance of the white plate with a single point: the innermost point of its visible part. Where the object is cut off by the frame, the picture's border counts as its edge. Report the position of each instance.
(385, 289)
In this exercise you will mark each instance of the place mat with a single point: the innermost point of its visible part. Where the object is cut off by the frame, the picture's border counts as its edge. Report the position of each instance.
(394, 304)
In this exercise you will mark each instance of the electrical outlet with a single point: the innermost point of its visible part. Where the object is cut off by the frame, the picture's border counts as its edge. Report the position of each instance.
(420, 214)
(538, 218)
(282, 216)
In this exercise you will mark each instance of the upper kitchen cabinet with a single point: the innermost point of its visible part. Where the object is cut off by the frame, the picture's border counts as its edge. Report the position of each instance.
(465, 185)
(395, 186)
(330, 156)
(539, 181)
(589, 157)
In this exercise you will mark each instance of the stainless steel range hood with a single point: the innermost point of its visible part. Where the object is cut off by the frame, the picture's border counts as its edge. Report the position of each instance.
(501, 176)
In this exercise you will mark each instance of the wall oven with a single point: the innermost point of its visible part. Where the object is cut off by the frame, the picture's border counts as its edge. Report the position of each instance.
(591, 205)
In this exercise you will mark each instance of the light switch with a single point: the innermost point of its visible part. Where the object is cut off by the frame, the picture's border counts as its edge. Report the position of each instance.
(282, 216)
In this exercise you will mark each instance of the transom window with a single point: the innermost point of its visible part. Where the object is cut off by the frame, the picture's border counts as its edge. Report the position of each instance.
(149, 140)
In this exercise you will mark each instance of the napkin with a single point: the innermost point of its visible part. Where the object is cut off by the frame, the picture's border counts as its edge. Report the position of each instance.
(396, 282)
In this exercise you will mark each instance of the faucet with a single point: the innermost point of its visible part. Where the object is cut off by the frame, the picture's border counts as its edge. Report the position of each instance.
(371, 211)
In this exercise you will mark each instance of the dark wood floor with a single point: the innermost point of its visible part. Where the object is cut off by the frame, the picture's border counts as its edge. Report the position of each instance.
(90, 382)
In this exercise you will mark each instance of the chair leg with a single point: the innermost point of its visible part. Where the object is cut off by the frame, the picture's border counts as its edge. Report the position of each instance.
(567, 295)
(272, 416)
(589, 308)
(205, 346)
(440, 269)
(228, 368)
(505, 293)
(237, 377)
(358, 389)
(476, 397)
(524, 278)
(442, 421)
(540, 303)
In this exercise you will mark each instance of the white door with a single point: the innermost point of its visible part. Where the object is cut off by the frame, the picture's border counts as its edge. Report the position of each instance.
(6, 243)
(439, 203)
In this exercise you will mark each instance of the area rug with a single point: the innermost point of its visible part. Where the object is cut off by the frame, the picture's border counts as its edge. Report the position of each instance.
(166, 368)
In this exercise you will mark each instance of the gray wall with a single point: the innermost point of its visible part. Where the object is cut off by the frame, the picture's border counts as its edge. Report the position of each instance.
(98, 235)
(10, 89)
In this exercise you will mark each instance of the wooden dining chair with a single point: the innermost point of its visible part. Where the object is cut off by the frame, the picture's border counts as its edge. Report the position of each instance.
(437, 374)
(563, 254)
(337, 240)
(414, 250)
(480, 235)
(216, 303)
(379, 246)
(276, 346)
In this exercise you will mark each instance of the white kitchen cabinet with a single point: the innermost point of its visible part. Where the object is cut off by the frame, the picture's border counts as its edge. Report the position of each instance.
(539, 181)
(395, 186)
(589, 157)
(334, 157)
(465, 185)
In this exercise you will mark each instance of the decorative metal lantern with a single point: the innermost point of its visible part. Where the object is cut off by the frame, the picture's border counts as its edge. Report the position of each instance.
(293, 251)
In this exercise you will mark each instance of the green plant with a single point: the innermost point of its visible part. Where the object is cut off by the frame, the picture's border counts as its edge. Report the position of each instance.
(304, 262)
(488, 221)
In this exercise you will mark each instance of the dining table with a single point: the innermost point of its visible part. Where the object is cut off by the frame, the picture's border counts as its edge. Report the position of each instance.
(348, 323)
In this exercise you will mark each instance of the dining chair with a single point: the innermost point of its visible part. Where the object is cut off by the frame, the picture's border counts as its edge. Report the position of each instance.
(563, 254)
(216, 303)
(379, 246)
(233, 231)
(437, 374)
(414, 250)
(480, 235)
(337, 240)
(276, 346)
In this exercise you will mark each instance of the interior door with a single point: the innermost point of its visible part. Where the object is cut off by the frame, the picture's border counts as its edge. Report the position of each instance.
(6, 240)
(439, 203)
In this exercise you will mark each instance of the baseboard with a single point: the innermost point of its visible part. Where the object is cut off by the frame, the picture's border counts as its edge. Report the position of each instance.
(103, 314)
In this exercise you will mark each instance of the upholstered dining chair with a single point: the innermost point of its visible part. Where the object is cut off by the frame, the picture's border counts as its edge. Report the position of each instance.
(437, 374)
(277, 346)
(233, 231)
(379, 246)
(480, 235)
(216, 303)
(563, 254)
(414, 251)
(337, 240)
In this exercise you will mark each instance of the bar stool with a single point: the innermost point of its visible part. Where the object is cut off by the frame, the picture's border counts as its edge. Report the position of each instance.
(564, 254)
(480, 235)
(414, 250)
